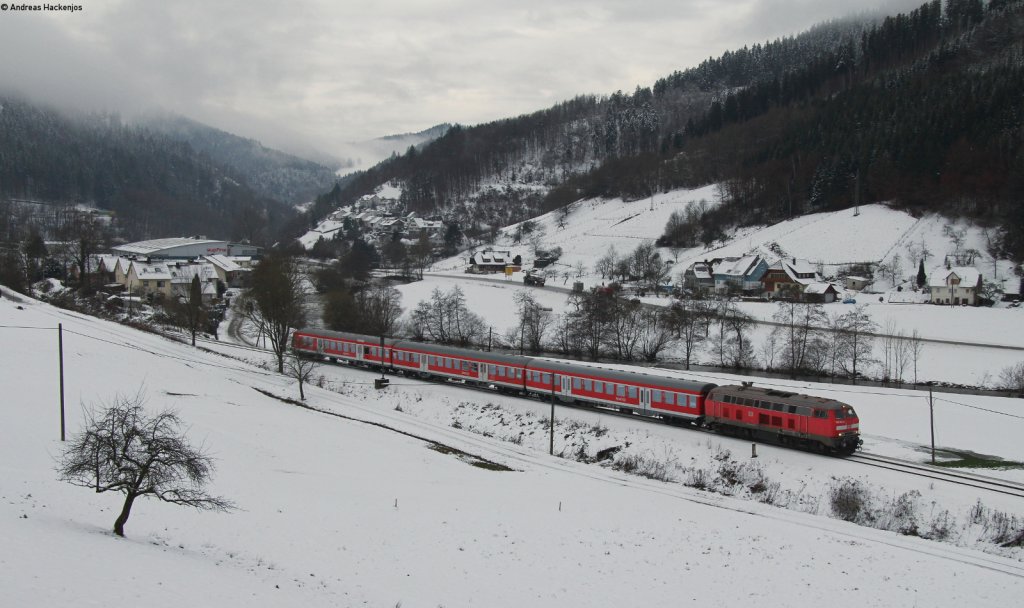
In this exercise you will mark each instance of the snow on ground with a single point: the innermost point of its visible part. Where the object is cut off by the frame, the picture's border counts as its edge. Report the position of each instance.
(334, 512)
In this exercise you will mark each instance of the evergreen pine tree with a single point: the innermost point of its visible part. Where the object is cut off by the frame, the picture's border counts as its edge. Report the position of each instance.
(921, 278)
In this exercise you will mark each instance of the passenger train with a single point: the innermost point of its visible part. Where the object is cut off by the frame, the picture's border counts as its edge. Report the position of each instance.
(743, 410)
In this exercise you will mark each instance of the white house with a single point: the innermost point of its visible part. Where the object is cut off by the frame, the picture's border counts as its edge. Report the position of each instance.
(954, 286)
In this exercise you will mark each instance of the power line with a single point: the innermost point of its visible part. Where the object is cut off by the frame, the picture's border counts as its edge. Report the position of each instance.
(984, 409)
(26, 327)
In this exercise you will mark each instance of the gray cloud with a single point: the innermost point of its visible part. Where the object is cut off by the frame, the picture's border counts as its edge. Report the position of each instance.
(325, 72)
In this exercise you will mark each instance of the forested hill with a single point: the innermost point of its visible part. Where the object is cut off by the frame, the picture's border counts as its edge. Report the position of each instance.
(270, 172)
(921, 109)
(157, 185)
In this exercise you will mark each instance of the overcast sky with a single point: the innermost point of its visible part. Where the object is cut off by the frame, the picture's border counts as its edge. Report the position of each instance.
(331, 71)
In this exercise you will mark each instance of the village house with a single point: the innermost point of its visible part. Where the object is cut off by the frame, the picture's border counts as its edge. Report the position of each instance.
(788, 279)
(954, 286)
(698, 278)
(490, 260)
(740, 275)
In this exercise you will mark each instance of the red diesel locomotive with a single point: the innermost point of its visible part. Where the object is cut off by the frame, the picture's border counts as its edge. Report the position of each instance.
(769, 415)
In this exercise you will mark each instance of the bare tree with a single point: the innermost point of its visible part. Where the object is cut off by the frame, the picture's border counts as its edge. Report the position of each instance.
(1011, 378)
(275, 301)
(916, 349)
(380, 307)
(301, 369)
(122, 449)
(690, 319)
(534, 321)
(605, 266)
(800, 324)
(855, 328)
(655, 332)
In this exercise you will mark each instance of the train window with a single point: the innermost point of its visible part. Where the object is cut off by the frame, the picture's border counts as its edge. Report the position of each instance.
(820, 414)
(792, 409)
(840, 414)
(632, 392)
(670, 398)
(599, 387)
(778, 407)
(748, 402)
(620, 390)
(588, 385)
(693, 401)
(465, 365)
(656, 396)
(577, 383)
(727, 399)
(546, 379)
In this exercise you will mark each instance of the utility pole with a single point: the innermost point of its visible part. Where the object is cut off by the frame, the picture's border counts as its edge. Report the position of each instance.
(551, 449)
(931, 416)
(60, 353)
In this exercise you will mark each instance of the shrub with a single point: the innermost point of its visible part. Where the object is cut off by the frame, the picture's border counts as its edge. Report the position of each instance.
(849, 499)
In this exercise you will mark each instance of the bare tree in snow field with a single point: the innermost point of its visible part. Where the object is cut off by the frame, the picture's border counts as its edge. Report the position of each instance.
(124, 449)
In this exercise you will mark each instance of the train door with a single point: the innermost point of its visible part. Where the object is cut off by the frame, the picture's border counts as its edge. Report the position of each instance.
(645, 398)
(360, 352)
(566, 386)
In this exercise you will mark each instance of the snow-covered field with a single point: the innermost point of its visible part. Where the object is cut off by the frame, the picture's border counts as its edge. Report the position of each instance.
(335, 512)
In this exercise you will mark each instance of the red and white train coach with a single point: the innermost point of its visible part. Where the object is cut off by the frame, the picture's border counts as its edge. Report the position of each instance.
(783, 417)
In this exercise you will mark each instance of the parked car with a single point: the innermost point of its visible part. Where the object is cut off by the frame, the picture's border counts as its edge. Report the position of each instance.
(849, 301)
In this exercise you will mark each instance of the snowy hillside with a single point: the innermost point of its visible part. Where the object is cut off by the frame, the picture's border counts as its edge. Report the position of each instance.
(832, 242)
(336, 512)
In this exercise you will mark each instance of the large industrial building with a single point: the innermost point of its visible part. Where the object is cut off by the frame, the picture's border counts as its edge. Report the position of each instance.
(185, 248)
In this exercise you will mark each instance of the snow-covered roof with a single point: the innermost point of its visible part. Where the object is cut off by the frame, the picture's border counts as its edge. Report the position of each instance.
(738, 267)
(151, 271)
(492, 257)
(819, 288)
(939, 276)
(797, 270)
(701, 270)
(223, 263)
(157, 245)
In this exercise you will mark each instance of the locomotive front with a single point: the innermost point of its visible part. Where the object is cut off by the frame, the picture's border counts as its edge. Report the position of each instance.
(847, 429)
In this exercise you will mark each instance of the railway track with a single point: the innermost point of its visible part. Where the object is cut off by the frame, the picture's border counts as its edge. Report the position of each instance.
(981, 482)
